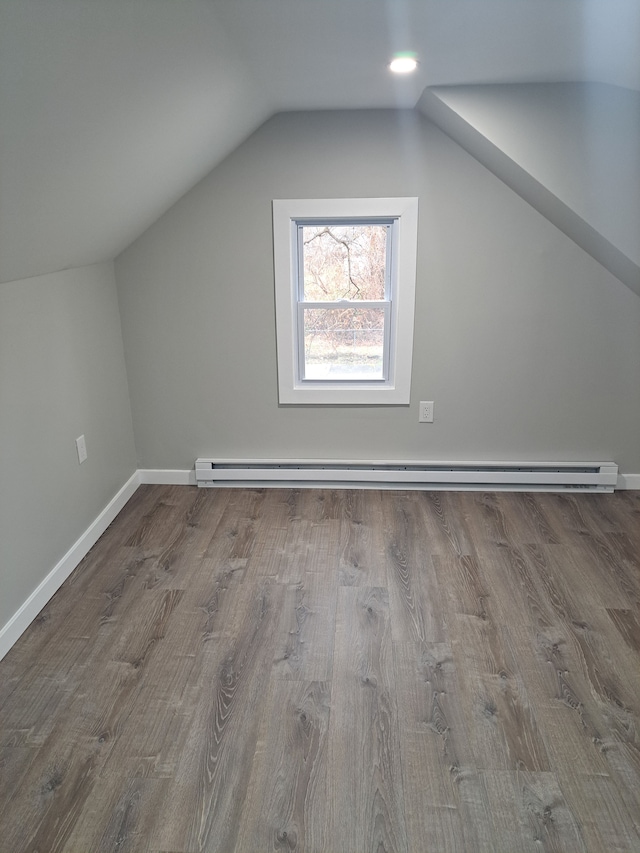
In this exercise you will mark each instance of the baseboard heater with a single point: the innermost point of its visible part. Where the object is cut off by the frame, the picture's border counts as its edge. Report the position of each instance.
(488, 476)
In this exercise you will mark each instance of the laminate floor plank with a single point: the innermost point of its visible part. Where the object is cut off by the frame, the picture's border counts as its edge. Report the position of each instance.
(444, 524)
(151, 742)
(530, 814)
(175, 566)
(512, 587)
(628, 624)
(582, 750)
(316, 549)
(328, 504)
(609, 519)
(570, 512)
(628, 515)
(336, 671)
(288, 544)
(365, 785)
(71, 621)
(586, 733)
(142, 635)
(160, 524)
(434, 746)
(505, 734)
(446, 802)
(608, 666)
(552, 666)
(530, 520)
(462, 580)
(616, 551)
(81, 638)
(61, 777)
(362, 544)
(604, 819)
(29, 716)
(207, 608)
(237, 531)
(414, 594)
(120, 815)
(14, 763)
(618, 560)
(306, 638)
(584, 580)
(282, 538)
(486, 519)
(212, 777)
(285, 805)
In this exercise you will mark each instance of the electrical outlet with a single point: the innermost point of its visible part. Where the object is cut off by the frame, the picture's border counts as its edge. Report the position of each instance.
(425, 413)
(81, 447)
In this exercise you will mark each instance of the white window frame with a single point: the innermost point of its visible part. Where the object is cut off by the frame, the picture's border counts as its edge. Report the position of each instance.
(395, 388)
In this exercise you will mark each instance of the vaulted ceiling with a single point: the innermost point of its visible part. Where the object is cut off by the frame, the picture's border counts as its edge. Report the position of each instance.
(111, 109)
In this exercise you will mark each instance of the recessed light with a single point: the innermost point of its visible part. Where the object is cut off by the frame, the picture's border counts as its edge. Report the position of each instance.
(403, 63)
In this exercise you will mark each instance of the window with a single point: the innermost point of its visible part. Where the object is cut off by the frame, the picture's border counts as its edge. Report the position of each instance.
(345, 289)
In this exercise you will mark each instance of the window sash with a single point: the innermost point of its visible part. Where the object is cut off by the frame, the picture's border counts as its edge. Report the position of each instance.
(340, 304)
(390, 224)
(302, 304)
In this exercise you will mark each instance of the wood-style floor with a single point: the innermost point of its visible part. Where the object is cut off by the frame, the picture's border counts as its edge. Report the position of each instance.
(334, 671)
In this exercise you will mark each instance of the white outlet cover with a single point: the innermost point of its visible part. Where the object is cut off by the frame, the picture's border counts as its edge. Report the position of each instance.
(425, 413)
(81, 447)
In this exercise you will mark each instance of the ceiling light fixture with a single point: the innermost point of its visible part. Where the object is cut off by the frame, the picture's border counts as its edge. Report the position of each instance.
(403, 63)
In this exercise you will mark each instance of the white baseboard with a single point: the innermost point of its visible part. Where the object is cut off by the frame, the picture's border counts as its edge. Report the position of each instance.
(628, 481)
(167, 477)
(25, 615)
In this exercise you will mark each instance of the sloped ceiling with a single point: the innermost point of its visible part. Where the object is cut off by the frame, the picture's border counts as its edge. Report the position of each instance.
(111, 109)
(572, 150)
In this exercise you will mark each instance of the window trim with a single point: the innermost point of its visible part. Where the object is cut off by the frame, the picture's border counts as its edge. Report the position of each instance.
(395, 390)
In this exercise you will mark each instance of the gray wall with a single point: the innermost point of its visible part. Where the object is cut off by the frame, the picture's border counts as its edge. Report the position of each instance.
(529, 348)
(61, 374)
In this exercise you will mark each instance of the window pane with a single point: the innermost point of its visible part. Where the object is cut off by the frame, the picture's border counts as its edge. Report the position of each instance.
(344, 262)
(344, 343)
